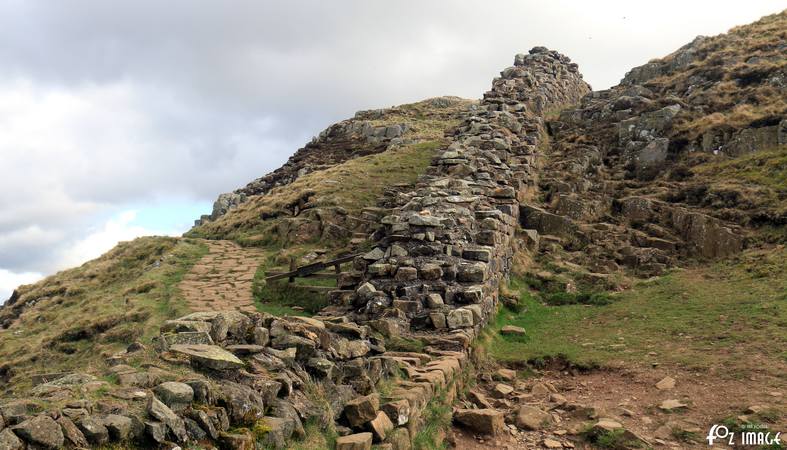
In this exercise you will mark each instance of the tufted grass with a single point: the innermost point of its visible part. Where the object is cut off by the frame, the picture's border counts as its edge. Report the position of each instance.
(731, 315)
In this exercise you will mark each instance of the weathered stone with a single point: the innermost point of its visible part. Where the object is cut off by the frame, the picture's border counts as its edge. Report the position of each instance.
(41, 431)
(120, 428)
(434, 301)
(358, 441)
(203, 420)
(424, 221)
(472, 273)
(261, 336)
(502, 390)
(360, 410)
(399, 439)
(178, 396)
(94, 430)
(665, 384)
(430, 272)
(511, 330)
(607, 425)
(165, 341)
(505, 375)
(552, 443)
(406, 274)
(485, 421)
(366, 289)
(380, 426)
(9, 441)
(671, 405)
(162, 413)
(398, 411)
(532, 418)
(438, 320)
(459, 318)
(243, 404)
(157, 431)
(210, 356)
(236, 441)
(71, 433)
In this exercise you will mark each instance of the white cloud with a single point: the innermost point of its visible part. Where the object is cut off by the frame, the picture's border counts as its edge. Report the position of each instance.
(116, 229)
(103, 109)
(10, 281)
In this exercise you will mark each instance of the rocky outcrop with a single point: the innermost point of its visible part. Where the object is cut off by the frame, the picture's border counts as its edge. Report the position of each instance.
(367, 133)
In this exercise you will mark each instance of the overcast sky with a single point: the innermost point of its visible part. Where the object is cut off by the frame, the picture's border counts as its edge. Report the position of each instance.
(126, 118)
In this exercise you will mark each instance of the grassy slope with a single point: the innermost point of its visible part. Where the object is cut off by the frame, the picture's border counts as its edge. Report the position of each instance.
(732, 315)
(737, 62)
(94, 310)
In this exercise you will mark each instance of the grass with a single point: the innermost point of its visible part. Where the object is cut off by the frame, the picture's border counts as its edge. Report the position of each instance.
(436, 419)
(83, 314)
(352, 186)
(727, 316)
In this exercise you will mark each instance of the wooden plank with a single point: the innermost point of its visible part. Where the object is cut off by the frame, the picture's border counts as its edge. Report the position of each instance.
(318, 275)
(311, 268)
(316, 288)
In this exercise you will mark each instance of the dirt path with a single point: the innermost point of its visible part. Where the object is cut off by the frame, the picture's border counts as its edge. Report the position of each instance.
(630, 397)
(222, 279)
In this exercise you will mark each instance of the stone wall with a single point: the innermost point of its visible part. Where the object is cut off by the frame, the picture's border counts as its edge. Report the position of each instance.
(443, 252)
(241, 380)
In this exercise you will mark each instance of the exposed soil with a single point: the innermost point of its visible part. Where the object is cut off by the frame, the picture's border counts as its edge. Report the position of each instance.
(222, 279)
(630, 397)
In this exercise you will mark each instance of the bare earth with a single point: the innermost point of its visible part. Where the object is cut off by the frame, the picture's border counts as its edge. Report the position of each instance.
(222, 279)
(630, 397)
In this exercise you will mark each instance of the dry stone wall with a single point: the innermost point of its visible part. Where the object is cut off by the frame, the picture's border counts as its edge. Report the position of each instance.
(244, 380)
(443, 252)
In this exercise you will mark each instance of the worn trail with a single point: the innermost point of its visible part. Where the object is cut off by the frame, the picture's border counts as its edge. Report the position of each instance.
(222, 279)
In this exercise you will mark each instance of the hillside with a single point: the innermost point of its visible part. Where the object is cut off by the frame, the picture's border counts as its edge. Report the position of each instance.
(523, 270)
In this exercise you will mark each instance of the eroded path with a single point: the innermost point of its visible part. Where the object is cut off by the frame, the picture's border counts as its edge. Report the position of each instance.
(222, 279)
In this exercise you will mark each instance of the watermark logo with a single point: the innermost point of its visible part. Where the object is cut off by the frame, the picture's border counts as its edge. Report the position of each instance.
(749, 435)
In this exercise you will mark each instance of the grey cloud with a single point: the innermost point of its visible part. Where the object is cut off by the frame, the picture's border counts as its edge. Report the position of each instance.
(191, 98)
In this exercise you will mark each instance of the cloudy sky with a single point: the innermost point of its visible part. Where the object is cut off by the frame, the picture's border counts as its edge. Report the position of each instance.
(126, 118)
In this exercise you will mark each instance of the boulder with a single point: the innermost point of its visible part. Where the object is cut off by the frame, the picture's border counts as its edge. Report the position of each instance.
(210, 356)
(9, 441)
(380, 426)
(665, 384)
(72, 435)
(459, 318)
(178, 396)
(358, 441)
(399, 439)
(511, 330)
(484, 421)
(504, 375)
(120, 428)
(162, 413)
(398, 411)
(236, 441)
(94, 430)
(532, 418)
(243, 404)
(502, 390)
(41, 431)
(360, 410)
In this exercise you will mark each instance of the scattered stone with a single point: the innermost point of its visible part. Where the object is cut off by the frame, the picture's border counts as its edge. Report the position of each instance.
(161, 412)
(502, 390)
(41, 431)
(607, 425)
(398, 411)
(94, 431)
(666, 384)
(9, 441)
(120, 428)
(178, 396)
(359, 441)
(539, 390)
(485, 421)
(71, 433)
(360, 410)
(380, 426)
(671, 405)
(210, 356)
(532, 418)
(551, 443)
(504, 375)
(511, 330)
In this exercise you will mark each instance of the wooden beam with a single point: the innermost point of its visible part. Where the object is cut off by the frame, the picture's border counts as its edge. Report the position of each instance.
(310, 268)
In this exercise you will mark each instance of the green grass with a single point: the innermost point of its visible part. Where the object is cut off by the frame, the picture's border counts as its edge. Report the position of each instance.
(720, 316)
(765, 167)
(99, 308)
(436, 419)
